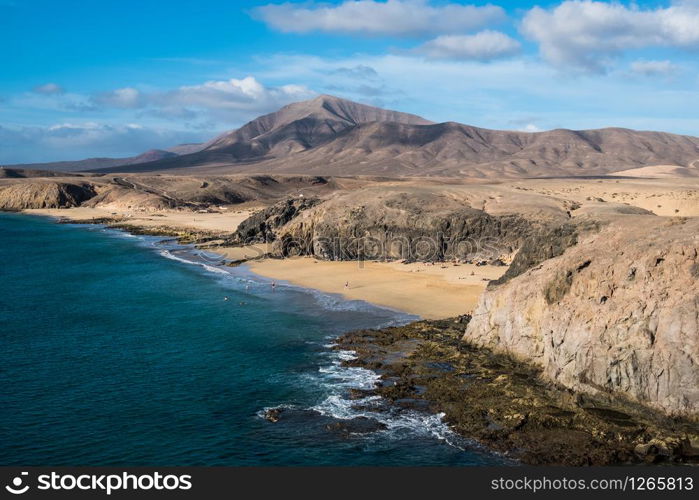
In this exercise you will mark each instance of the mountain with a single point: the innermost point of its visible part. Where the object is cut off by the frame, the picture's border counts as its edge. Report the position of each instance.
(91, 164)
(332, 136)
(301, 126)
(452, 149)
(295, 128)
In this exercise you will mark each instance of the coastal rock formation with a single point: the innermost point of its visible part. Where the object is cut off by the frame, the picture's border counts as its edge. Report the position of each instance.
(21, 196)
(261, 227)
(398, 224)
(504, 403)
(543, 244)
(617, 313)
(24, 189)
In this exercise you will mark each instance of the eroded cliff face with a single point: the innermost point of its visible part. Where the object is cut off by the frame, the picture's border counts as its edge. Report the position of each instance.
(400, 225)
(261, 227)
(42, 194)
(616, 313)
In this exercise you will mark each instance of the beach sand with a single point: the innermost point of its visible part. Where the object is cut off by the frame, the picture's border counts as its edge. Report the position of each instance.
(248, 252)
(225, 222)
(429, 291)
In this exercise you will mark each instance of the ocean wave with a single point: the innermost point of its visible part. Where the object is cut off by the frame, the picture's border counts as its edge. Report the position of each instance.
(346, 355)
(399, 423)
(263, 412)
(169, 255)
(336, 303)
(338, 407)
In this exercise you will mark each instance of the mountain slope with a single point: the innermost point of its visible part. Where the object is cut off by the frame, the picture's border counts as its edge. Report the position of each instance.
(300, 126)
(452, 149)
(101, 163)
(332, 136)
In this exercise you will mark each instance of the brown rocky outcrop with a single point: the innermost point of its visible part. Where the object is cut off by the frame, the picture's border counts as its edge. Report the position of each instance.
(261, 227)
(618, 313)
(422, 226)
(25, 195)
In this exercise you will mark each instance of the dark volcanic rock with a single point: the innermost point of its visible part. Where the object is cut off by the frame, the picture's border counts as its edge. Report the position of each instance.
(544, 244)
(261, 226)
(273, 414)
(507, 406)
(357, 425)
(398, 225)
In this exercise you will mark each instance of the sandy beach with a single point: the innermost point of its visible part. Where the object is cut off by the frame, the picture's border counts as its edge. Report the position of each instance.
(225, 222)
(429, 291)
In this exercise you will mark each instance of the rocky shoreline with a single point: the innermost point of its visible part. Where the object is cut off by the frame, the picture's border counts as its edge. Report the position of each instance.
(505, 405)
(203, 240)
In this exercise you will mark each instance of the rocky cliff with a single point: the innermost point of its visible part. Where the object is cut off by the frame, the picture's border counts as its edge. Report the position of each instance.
(396, 224)
(261, 227)
(617, 313)
(21, 196)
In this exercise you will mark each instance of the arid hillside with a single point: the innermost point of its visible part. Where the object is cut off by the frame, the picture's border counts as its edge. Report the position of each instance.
(332, 136)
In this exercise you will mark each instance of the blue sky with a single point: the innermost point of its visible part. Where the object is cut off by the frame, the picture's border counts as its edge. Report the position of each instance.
(85, 79)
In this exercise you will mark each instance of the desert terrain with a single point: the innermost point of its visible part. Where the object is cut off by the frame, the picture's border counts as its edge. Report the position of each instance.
(198, 209)
(575, 253)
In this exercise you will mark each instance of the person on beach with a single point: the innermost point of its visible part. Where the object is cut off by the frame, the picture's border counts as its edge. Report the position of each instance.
(346, 284)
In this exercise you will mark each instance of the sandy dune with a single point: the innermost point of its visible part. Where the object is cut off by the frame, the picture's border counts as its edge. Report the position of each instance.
(665, 197)
(659, 171)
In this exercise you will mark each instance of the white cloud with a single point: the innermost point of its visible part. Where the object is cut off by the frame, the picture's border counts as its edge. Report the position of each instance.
(49, 89)
(530, 127)
(368, 17)
(225, 100)
(483, 46)
(246, 94)
(586, 34)
(202, 109)
(124, 98)
(71, 141)
(359, 72)
(653, 68)
(492, 95)
(59, 101)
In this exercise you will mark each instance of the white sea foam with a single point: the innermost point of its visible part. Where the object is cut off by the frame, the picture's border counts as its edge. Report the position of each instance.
(169, 255)
(335, 379)
(346, 355)
(263, 412)
(400, 423)
(350, 377)
(344, 409)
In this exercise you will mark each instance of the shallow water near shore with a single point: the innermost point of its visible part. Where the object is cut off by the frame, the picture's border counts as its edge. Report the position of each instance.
(115, 355)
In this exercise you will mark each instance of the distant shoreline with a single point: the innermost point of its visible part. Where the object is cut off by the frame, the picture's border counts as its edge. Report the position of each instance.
(435, 291)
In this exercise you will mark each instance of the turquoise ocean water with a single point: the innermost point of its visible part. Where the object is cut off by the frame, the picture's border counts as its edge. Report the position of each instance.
(121, 350)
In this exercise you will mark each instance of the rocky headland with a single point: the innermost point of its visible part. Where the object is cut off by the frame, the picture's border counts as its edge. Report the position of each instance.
(509, 405)
(615, 314)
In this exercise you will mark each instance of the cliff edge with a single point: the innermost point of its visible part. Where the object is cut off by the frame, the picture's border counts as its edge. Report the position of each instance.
(617, 313)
